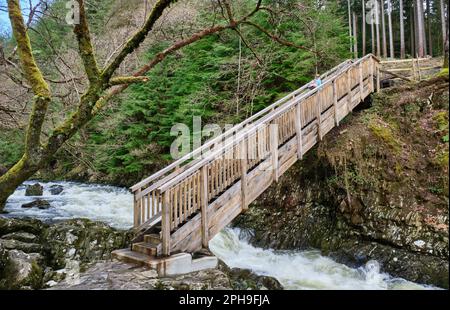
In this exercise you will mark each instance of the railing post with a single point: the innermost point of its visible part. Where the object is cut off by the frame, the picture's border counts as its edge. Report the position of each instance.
(372, 75)
(298, 130)
(137, 208)
(349, 91)
(274, 149)
(204, 206)
(378, 77)
(335, 102)
(319, 112)
(244, 168)
(361, 81)
(165, 224)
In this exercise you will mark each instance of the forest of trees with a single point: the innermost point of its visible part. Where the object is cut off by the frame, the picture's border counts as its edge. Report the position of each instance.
(402, 28)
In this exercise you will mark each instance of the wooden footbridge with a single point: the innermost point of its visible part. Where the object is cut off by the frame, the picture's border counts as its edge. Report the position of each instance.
(181, 207)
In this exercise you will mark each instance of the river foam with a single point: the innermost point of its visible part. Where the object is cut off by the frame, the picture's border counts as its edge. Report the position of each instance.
(307, 270)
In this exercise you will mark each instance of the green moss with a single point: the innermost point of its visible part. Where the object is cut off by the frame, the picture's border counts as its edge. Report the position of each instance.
(384, 132)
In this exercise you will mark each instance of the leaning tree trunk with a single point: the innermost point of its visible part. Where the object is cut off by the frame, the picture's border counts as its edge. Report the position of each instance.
(15, 176)
(402, 32)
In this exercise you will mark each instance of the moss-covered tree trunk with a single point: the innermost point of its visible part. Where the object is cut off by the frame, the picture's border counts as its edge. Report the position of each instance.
(15, 176)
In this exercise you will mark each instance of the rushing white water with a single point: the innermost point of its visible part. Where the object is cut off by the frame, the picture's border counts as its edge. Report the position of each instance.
(294, 269)
(109, 204)
(302, 269)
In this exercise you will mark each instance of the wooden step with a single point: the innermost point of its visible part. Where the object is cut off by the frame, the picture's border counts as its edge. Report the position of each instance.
(145, 248)
(152, 238)
(129, 256)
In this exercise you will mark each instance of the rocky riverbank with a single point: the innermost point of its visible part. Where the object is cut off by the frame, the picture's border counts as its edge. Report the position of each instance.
(76, 254)
(375, 188)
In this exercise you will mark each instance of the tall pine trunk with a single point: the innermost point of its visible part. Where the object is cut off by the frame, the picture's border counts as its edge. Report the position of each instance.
(355, 36)
(391, 35)
(383, 30)
(350, 25)
(430, 38)
(402, 32)
(363, 28)
(420, 29)
(443, 25)
(377, 27)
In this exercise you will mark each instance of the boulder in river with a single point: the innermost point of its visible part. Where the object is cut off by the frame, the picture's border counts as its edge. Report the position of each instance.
(56, 189)
(39, 203)
(34, 190)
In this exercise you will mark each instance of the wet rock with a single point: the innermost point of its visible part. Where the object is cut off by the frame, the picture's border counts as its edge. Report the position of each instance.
(21, 236)
(11, 225)
(34, 190)
(39, 203)
(244, 279)
(56, 189)
(121, 276)
(22, 270)
(11, 244)
(66, 247)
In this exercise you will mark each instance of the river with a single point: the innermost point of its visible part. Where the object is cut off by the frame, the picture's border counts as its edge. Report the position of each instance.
(294, 269)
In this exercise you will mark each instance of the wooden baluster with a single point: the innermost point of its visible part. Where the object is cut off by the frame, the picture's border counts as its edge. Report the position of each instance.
(165, 224)
(189, 195)
(274, 150)
(298, 130)
(182, 200)
(154, 206)
(204, 206)
(244, 168)
(148, 207)
(176, 205)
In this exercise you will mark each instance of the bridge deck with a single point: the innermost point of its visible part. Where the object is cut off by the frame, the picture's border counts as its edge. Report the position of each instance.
(185, 204)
